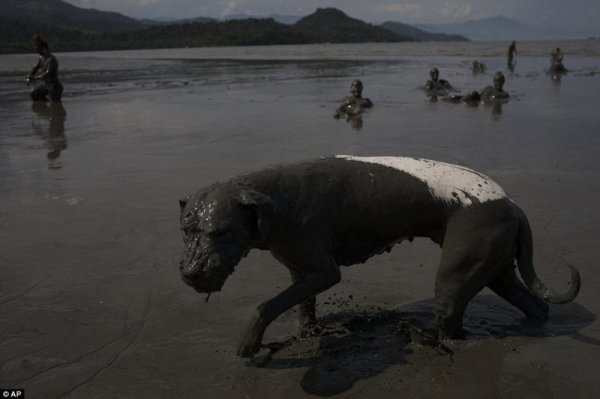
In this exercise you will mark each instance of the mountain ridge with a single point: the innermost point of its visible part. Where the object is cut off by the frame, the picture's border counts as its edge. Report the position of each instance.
(334, 26)
(80, 30)
(66, 16)
(417, 34)
(70, 28)
(498, 28)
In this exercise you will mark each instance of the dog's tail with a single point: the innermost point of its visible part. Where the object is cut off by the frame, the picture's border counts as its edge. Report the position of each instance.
(525, 264)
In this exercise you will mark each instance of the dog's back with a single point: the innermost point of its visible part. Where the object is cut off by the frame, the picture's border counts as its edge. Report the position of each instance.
(361, 206)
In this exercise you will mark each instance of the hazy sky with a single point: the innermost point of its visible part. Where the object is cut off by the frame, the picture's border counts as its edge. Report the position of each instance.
(564, 14)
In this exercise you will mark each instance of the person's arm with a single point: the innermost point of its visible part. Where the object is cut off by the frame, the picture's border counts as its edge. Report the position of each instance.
(445, 84)
(340, 111)
(34, 70)
(31, 75)
(343, 108)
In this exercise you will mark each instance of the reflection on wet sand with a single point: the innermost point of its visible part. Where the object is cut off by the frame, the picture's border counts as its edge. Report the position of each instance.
(55, 114)
(496, 108)
(355, 121)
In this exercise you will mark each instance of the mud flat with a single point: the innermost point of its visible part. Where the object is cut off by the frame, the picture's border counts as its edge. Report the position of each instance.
(91, 303)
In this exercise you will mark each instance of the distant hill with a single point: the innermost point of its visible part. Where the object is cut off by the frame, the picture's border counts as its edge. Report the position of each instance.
(237, 32)
(283, 19)
(169, 21)
(69, 28)
(497, 29)
(420, 35)
(63, 25)
(16, 36)
(57, 13)
(333, 26)
(324, 25)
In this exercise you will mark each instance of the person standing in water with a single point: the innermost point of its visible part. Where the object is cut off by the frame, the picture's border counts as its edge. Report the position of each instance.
(512, 51)
(556, 61)
(44, 74)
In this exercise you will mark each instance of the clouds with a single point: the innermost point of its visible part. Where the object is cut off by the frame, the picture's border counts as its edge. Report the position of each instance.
(435, 11)
(230, 7)
(539, 13)
(423, 11)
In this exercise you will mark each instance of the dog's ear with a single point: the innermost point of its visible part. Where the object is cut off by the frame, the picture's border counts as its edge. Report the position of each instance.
(262, 208)
(182, 203)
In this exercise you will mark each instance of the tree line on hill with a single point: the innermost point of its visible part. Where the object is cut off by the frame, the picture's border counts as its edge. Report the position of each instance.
(69, 28)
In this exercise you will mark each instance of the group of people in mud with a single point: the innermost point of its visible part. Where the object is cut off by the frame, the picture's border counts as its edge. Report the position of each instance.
(44, 79)
(436, 88)
(556, 58)
(440, 88)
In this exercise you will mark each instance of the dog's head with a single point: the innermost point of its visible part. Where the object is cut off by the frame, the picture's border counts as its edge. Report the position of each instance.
(220, 224)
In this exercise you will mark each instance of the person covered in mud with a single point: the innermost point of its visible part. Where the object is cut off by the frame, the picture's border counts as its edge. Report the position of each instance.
(478, 67)
(556, 61)
(44, 75)
(490, 94)
(512, 51)
(495, 92)
(355, 103)
(435, 85)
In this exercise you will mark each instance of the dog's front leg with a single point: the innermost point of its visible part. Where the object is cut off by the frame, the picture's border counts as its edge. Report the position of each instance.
(307, 309)
(299, 292)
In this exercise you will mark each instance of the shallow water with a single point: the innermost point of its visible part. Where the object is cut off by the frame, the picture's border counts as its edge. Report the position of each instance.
(91, 304)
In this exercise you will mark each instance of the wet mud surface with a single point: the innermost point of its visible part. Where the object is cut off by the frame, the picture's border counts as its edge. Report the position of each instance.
(91, 302)
(353, 347)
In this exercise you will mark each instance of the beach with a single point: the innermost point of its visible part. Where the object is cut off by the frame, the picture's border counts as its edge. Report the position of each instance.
(91, 301)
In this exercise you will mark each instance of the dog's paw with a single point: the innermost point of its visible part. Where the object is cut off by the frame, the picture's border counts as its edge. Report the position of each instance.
(250, 342)
(245, 350)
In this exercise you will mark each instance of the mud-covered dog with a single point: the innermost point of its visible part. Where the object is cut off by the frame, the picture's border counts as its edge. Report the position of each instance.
(317, 216)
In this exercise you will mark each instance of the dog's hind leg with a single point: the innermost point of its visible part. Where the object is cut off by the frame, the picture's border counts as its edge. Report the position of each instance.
(478, 243)
(453, 291)
(508, 287)
(318, 280)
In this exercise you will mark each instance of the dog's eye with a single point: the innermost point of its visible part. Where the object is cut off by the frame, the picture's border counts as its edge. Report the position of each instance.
(219, 233)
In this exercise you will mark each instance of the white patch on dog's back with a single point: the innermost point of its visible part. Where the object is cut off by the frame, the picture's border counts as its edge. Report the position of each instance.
(451, 183)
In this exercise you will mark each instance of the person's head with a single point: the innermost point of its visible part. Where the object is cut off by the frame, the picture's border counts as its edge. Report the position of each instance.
(434, 74)
(514, 43)
(39, 45)
(356, 88)
(499, 81)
